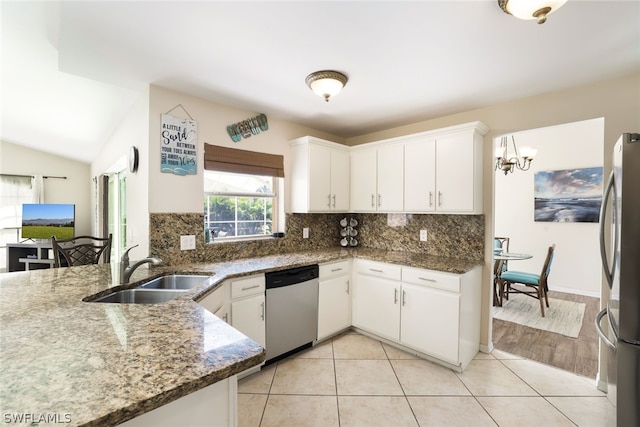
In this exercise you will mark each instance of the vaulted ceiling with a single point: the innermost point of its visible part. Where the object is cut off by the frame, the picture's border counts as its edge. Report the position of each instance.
(71, 70)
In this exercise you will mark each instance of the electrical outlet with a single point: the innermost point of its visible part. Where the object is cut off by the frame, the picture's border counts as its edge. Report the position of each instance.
(187, 242)
(305, 233)
(423, 235)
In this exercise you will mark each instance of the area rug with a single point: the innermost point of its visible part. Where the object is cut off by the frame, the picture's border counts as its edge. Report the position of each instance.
(561, 317)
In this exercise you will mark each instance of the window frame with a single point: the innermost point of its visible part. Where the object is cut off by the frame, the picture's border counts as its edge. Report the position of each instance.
(273, 196)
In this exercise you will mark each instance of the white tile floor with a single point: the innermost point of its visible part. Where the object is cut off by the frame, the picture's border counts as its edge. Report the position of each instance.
(353, 380)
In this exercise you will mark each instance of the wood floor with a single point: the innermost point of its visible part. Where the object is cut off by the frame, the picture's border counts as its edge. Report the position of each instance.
(579, 355)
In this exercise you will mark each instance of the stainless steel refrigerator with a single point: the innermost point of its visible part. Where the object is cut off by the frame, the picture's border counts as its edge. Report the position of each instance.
(622, 270)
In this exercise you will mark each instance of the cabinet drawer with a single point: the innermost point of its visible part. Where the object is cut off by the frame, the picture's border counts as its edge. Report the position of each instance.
(378, 269)
(248, 286)
(334, 269)
(433, 279)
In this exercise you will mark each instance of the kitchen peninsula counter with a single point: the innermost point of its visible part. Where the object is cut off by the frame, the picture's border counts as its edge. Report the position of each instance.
(102, 364)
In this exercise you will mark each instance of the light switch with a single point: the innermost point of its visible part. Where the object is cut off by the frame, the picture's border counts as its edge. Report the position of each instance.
(423, 235)
(305, 233)
(187, 242)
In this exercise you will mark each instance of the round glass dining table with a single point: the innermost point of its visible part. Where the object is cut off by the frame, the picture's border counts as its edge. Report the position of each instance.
(499, 259)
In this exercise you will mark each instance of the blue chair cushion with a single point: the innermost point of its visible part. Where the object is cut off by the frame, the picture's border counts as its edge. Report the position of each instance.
(521, 277)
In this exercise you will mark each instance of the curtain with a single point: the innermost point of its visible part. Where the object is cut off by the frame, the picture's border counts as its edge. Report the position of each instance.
(14, 191)
(37, 183)
(225, 159)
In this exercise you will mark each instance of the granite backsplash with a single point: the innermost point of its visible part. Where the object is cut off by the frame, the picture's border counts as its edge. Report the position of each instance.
(460, 236)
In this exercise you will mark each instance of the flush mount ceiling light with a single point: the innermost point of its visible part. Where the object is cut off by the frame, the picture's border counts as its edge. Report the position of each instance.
(326, 83)
(531, 9)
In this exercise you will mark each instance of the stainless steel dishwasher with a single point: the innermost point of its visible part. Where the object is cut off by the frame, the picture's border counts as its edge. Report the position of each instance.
(292, 310)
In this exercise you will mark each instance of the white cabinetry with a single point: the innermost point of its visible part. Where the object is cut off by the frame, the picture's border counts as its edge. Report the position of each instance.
(334, 298)
(443, 170)
(319, 176)
(248, 307)
(376, 293)
(435, 313)
(377, 178)
(217, 302)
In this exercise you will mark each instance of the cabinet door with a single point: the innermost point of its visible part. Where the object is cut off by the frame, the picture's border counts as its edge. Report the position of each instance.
(455, 173)
(376, 305)
(340, 178)
(247, 316)
(319, 178)
(223, 313)
(420, 176)
(334, 306)
(390, 177)
(430, 321)
(363, 180)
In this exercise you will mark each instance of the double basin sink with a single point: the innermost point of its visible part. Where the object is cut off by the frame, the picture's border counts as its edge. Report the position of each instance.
(155, 291)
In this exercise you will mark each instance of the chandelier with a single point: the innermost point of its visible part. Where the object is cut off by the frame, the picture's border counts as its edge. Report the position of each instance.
(507, 163)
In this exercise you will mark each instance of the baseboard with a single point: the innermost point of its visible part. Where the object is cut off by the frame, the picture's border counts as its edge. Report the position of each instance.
(576, 292)
(487, 348)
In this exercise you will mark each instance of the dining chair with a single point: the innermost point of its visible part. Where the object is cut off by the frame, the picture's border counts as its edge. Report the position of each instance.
(524, 280)
(500, 244)
(81, 250)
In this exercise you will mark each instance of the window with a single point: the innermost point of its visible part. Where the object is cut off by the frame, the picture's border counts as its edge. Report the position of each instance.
(238, 205)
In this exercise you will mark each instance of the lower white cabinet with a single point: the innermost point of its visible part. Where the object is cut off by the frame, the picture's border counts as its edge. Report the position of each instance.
(214, 405)
(248, 307)
(334, 298)
(430, 321)
(376, 293)
(435, 313)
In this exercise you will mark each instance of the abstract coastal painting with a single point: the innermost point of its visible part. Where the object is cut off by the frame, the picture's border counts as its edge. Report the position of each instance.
(569, 195)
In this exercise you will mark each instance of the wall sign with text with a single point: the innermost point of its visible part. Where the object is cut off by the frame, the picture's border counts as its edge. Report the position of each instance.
(179, 145)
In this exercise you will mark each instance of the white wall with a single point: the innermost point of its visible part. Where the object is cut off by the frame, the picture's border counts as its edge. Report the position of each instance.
(132, 131)
(183, 194)
(576, 263)
(76, 189)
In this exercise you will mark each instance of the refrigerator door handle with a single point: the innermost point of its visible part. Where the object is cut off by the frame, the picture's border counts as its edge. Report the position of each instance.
(609, 272)
(602, 335)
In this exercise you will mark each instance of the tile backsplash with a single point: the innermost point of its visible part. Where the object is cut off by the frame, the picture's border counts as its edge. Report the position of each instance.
(460, 236)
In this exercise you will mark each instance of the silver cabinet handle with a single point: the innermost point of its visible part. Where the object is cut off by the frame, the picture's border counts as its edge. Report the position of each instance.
(373, 202)
(329, 200)
(427, 280)
(439, 198)
(348, 287)
(226, 317)
(334, 200)
(603, 337)
(262, 315)
(379, 199)
(375, 270)
(404, 298)
(430, 198)
(250, 287)
(336, 269)
(395, 296)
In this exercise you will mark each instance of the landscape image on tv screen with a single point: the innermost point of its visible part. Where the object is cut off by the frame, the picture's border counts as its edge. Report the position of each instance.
(43, 220)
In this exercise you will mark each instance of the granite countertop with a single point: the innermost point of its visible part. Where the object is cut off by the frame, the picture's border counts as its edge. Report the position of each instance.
(102, 364)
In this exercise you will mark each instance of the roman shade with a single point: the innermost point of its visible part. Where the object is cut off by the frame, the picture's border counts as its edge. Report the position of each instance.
(224, 159)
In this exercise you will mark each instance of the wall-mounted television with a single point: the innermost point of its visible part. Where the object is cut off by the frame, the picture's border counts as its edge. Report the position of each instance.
(43, 220)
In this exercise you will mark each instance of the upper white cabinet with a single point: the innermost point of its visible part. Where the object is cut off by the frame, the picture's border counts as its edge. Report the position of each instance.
(319, 176)
(443, 170)
(438, 171)
(377, 178)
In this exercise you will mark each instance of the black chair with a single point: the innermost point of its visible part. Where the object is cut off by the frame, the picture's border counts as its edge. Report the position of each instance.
(537, 282)
(81, 250)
